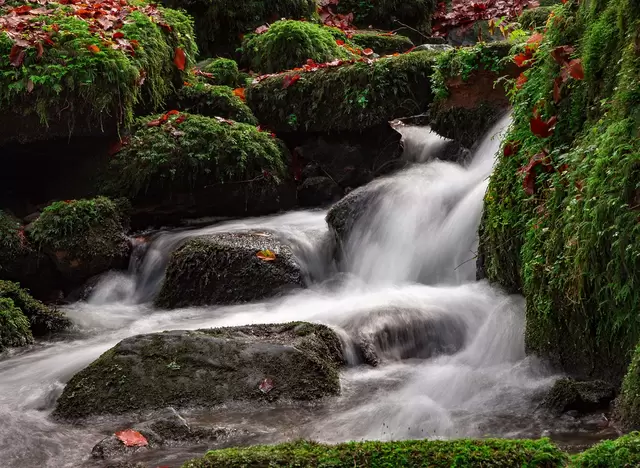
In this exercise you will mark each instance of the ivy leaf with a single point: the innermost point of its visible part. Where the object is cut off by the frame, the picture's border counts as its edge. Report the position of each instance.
(179, 58)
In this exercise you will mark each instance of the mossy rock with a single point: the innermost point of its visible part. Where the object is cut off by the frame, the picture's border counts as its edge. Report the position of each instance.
(297, 361)
(627, 408)
(569, 234)
(224, 268)
(621, 452)
(383, 14)
(465, 126)
(83, 79)
(14, 326)
(221, 25)
(225, 72)
(382, 43)
(289, 44)
(409, 453)
(214, 101)
(190, 166)
(534, 18)
(42, 319)
(351, 97)
(582, 396)
(82, 237)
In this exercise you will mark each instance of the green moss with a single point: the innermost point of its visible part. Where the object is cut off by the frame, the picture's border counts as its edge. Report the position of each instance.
(572, 246)
(432, 453)
(619, 453)
(349, 97)
(12, 239)
(221, 25)
(382, 44)
(384, 13)
(72, 86)
(42, 319)
(214, 101)
(289, 44)
(198, 152)
(14, 326)
(534, 18)
(225, 72)
(628, 404)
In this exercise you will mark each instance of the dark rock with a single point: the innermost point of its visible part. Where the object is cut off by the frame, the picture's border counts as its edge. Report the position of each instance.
(224, 269)
(312, 169)
(318, 191)
(205, 368)
(165, 428)
(582, 396)
(436, 47)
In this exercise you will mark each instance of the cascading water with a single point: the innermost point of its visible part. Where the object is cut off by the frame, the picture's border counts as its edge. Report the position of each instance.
(451, 350)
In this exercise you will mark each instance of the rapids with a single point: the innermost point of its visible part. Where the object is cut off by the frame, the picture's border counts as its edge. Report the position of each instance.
(408, 278)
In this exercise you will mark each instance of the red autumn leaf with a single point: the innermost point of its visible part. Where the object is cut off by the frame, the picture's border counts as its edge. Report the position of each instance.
(132, 438)
(240, 93)
(367, 52)
(181, 118)
(522, 79)
(575, 69)
(266, 255)
(541, 159)
(93, 48)
(39, 49)
(172, 112)
(535, 39)
(561, 54)
(542, 128)
(179, 58)
(154, 123)
(289, 80)
(21, 10)
(118, 35)
(223, 120)
(16, 56)
(261, 29)
(520, 59)
(510, 148)
(340, 42)
(557, 89)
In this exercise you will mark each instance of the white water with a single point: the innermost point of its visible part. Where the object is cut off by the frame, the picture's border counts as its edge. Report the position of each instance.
(410, 275)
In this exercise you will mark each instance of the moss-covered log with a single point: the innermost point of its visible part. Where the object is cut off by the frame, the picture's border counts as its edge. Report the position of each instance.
(297, 361)
(350, 97)
(74, 69)
(410, 453)
(565, 227)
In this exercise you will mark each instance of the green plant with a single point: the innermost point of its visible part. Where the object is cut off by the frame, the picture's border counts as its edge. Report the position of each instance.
(382, 44)
(214, 101)
(14, 326)
(225, 72)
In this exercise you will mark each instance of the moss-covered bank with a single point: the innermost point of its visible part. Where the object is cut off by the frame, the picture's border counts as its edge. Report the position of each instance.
(350, 97)
(73, 69)
(561, 211)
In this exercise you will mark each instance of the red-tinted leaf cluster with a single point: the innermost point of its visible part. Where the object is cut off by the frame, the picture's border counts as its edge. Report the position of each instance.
(464, 13)
(326, 10)
(523, 59)
(542, 128)
(105, 18)
(569, 68)
(541, 160)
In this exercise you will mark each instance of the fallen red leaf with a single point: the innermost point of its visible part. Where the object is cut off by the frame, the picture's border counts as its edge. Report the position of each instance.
(542, 128)
(16, 56)
(179, 58)
(21, 10)
(557, 89)
(367, 52)
(540, 159)
(575, 69)
(118, 35)
(520, 59)
(535, 39)
(340, 42)
(132, 438)
(266, 255)
(93, 48)
(289, 80)
(172, 112)
(522, 79)
(154, 123)
(561, 54)
(510, 148)
(240, 93)
(39, 49)
(261, 29)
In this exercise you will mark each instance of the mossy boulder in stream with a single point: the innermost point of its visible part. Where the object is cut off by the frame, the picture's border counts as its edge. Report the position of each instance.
(627, 408)
(561, 211)
(289, 44)
(79, 69)
(582, 396)
(225, 268)
(408, 453)
(294, 361)
(350, 97)
(14, 326)
(82, 237)
(225, 72)
(180, 165)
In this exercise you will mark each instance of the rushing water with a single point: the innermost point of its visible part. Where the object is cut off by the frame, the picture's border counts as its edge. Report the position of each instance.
(407, 283)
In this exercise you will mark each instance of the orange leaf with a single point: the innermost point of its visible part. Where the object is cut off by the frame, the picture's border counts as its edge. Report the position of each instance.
(289, 80)
(340, 42)
(522, 79)
(266, 255)
(367, 52)
(93, 48)
(520, 59)
(535, 39)
(575, 69)
(132, 438)
(179, 58)
(240, 93)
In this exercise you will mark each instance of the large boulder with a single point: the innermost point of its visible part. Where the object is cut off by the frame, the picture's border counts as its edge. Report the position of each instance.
(296, 361)
(51, 86)
(225, 269)
(581, 396)
(179, 165)
(82, 237)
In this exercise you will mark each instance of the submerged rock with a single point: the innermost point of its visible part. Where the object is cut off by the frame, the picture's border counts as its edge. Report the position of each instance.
(581, 396)
(224, 269)
(297, 361)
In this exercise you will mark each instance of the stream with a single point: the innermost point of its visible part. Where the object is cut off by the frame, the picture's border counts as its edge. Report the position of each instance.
(409, 264)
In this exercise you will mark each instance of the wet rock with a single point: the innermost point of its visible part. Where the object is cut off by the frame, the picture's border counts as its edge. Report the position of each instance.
(581, 396)
(434, 47)
(205, 368)
(395, 333)
(224, 269)
(165, 428)
(318, 191)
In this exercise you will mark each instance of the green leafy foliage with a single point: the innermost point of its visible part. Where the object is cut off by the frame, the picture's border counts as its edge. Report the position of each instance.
(225, 72)
(349, 97)
(188, 152)
(289, 44)
(14, 326)
(619, 453)
(12, 240)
